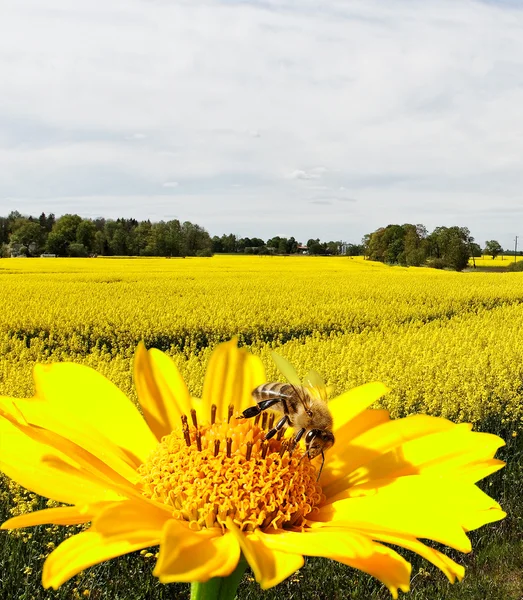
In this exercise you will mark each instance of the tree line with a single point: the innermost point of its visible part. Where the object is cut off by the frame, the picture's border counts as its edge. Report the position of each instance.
(231, 244)
(413, 245)
(72, 235)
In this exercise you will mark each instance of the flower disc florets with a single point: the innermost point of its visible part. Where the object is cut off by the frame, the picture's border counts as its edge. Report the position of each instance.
(208, 473)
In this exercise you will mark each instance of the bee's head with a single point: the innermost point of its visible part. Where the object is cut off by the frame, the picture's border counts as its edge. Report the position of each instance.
(318, 441)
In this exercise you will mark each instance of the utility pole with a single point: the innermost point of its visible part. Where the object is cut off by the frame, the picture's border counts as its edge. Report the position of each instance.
(469, 239)
(515, 249)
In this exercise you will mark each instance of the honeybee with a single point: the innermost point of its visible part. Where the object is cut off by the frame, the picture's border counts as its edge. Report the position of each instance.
(304, 407)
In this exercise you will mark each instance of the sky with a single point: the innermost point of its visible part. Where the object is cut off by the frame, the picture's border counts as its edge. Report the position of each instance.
(317, 119)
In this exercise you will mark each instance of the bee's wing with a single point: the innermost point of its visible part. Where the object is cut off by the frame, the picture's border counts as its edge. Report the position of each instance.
(289, 372)
(286, 369)
(315, 381)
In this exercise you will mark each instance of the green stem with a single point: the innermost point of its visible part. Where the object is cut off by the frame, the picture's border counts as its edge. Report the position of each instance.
(219, 588)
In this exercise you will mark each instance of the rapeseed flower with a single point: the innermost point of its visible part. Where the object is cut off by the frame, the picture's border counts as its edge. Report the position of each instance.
(201, 482)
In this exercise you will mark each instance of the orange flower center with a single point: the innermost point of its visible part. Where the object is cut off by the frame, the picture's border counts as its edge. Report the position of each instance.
(227, 469)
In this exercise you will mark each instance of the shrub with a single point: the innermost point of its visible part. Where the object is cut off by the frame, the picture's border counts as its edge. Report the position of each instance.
(516, 266)
(437, 263)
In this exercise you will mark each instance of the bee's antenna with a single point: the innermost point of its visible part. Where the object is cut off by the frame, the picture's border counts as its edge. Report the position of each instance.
(306, 454)
(321, 468)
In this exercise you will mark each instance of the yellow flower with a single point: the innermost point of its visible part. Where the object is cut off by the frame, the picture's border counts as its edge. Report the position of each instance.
(206, 487)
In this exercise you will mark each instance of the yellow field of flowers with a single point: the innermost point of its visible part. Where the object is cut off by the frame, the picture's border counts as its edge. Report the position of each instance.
(446, 343)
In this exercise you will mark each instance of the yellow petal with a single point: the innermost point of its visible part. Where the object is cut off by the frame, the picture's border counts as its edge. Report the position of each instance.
(64, 515)
(187, 556)
(119, 518)
(232, 374)
(87, 549)
(119, 529)
(343, 544)
(46, 470)
(91, 467)
(335, 466)
(451, 568)
(327, 542)
(349, 547)
(352, 403)
(376, 441)
(10, 411)
(386, 565)
(162, 392)
(450, 453)
(269, 566)
(84, 407)
(479, 470)
(418, 505)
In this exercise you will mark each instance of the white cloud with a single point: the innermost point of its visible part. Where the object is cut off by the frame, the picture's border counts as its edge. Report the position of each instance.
(136, 136)
(300, 174)
(171, 184)
(314, 173)
(404, 105)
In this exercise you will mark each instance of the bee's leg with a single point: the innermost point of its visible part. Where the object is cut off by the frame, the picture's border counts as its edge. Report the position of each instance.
(277, 428)
(254, 411)
(296, 439)
(299, 435)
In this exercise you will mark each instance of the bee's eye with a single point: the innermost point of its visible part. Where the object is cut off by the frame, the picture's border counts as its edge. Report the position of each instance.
(310, 436)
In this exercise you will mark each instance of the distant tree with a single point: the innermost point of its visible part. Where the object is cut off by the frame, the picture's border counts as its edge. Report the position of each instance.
(140, 237)
(398, 244)
(280, 245)
(30, 235)
(274, 242)
(244, 243)
(5, 230)
(67, 226)
(116, 237)
(77, 250)
(354, 250)
(315, 247)
(100, 243)
(14, 215)
(47, 222)
(493, 248)
(291, 246)
(85, 234)
(416, 245)
(57, 244)
(165, 239)
(332, 248)
(229, 243)
(196, 240)
(457, 255)
(365, 241)
(451, 246)
(42, 219)
(99, 223)
(475, 250)
(217, 245)
(63, 234)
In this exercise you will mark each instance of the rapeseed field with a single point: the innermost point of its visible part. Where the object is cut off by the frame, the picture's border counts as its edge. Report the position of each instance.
(448, 344)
